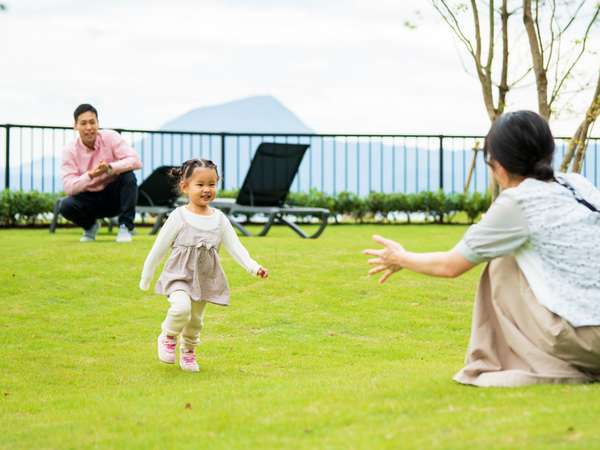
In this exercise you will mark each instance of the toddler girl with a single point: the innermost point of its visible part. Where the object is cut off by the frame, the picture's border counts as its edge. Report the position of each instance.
(193, 276)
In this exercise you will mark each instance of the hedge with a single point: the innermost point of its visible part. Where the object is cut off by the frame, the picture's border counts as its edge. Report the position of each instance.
(19, 207)
(438, 205)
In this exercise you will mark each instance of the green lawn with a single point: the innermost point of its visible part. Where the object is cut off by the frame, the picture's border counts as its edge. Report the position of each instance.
(317, 357)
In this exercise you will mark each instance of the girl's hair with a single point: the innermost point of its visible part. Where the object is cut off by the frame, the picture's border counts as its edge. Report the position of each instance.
(187, 168)
(522, 143)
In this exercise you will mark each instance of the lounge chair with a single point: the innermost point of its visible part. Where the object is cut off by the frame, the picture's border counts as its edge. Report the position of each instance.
(265, 190)
(157, 195)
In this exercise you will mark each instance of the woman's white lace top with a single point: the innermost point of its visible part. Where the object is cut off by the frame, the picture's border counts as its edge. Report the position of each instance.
(555, 239)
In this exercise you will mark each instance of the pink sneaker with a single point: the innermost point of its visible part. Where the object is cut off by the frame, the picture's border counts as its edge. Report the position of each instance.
(187, 360)
(166, 348)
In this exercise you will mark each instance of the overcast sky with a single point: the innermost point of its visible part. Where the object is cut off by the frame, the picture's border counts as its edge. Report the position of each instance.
(340, 65)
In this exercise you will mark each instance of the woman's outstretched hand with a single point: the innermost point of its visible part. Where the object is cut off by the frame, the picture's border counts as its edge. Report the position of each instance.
(387, 260)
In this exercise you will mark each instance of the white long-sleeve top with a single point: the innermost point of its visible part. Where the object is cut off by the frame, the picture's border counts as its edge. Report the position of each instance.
(173, 225)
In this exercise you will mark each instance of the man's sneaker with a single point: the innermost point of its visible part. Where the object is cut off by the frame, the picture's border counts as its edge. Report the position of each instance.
(166, 348)
(90, 235)
(124, 235)
(187, 360)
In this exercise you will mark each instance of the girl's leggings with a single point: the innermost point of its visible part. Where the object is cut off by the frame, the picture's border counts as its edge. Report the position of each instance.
(185, 317)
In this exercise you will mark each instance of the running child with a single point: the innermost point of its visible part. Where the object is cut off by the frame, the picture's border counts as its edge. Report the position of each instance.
(193, 276)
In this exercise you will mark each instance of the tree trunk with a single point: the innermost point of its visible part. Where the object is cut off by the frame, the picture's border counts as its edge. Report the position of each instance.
(472, 167)
(537, 58)
(578, 143)
(573, 144)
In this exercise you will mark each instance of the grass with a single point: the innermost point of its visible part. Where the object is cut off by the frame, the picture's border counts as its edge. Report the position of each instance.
(318, 356)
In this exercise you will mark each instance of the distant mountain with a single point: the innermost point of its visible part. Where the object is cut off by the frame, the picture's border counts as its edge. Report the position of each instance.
(260, 114)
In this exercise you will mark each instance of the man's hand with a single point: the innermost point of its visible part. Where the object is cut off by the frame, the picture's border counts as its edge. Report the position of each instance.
(262, 272)
(100, 169)
(95, 172)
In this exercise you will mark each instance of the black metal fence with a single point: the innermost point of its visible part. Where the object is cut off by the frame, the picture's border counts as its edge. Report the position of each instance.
(333, 163)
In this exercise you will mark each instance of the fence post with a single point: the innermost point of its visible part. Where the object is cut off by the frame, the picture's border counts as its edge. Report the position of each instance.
(441, 162)
(7, 158)
(222, 161)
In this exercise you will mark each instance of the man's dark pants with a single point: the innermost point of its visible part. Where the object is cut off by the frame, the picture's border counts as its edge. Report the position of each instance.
(117, 199)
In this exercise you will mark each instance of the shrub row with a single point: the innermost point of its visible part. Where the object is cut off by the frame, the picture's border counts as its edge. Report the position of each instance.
(439, 206)
(18, 207)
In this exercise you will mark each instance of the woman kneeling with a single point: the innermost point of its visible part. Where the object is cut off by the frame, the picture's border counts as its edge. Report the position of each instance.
(537, 310)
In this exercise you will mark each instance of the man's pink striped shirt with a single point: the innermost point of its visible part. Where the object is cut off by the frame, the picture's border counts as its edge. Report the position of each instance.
(77, 159)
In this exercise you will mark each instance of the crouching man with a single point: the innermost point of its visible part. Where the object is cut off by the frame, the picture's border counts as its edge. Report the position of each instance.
(97, 171)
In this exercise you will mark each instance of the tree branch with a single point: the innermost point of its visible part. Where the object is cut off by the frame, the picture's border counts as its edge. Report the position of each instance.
(552, 37)
(490, 56)
(452, 22)
(504, 87)
(538, 66)
(573, 17)
(557, 87)
(590, 117)
(577, 144)
(521, 78)
(477, 31)
(537, 30)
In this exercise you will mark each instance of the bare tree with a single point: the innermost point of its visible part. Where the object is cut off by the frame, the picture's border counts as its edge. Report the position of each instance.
(546, 53)
(546, 33)
(557, 42)
(481, 41)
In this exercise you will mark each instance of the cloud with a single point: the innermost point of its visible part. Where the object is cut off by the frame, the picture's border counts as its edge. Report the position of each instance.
(341, 65)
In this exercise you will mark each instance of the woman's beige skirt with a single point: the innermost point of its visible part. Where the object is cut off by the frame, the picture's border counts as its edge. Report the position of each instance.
(516, 341)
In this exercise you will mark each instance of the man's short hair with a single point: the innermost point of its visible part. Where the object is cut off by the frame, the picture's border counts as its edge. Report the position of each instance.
(85, 107)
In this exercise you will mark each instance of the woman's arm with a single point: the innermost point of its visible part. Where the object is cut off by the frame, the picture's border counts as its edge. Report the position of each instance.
(502, 231)
(393, 258)
(163, 242)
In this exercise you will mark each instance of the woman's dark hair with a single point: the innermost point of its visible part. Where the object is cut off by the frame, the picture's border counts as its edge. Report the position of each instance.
(85, 107)
(187, 168)
(522, 143)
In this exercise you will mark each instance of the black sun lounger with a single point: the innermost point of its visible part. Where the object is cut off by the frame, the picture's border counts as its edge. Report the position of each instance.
(266, 187)
(158, 195)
